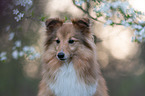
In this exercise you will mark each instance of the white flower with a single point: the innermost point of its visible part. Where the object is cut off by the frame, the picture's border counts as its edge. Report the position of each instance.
(34, 56)
(79, 3)
(141, 22)
(17, 19)
(130, 20)
(3, 58)
(143, 35)
(21, 15)
(21, 53)
(136, 33)
(3, 54)
(24, 2)
(139, 35)
(43, 24)
(31, 52)
(32, 49)
(131, 11)
(124, 6)
(7, 28)
(37, 55)
(133, 39)
(108, 22)
(123, 22)
(18, 43)
(139, 39)
(15, 11)
(109, 14)
(15, 54)
(135, 26)
(30, 2)
(11, 36)
(31, 57)
(142, 32)
(115, 4)
(26, 48)
(126, 24)
(105, 7)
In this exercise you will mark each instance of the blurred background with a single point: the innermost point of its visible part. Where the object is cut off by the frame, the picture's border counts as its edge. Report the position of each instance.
(122, 61)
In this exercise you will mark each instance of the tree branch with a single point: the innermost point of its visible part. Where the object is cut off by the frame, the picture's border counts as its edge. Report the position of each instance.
(87, 12)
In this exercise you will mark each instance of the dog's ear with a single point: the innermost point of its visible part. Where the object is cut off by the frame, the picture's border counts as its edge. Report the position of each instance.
(53, 24)
(82, 24)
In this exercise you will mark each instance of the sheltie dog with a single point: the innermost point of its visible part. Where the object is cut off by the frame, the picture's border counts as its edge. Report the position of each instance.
(69, 66)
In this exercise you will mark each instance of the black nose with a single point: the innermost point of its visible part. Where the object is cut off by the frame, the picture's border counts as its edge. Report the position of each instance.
(60, 55)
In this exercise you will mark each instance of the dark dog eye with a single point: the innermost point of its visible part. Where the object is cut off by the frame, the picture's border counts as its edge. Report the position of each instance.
(71, 41)
(57, 41)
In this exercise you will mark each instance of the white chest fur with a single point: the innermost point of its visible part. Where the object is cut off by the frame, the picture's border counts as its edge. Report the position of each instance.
(68, 84)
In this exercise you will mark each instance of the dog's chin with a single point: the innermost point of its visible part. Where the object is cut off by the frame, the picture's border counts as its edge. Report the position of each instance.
(65, 59)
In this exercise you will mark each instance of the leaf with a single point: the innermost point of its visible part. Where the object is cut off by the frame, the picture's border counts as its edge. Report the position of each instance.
(65, 18)
(32, 14)
(130, 23)
(43, 18)
(112, 24)
(3, 61)
(128, 16)
(99, 14)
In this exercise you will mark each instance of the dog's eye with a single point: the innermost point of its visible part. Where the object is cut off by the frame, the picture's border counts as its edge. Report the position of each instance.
(71, 41)
(57, 41)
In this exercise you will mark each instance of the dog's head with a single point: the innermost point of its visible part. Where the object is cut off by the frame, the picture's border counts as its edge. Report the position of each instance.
(67, 40)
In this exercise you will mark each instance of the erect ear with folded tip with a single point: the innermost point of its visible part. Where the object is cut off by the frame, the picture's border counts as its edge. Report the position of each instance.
(53, 24)
(82, 24)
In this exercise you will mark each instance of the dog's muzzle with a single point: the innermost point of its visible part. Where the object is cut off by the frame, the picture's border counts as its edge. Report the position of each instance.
(61, 56)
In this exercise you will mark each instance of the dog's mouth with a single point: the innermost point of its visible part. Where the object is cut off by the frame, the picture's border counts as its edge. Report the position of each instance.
(63, 59)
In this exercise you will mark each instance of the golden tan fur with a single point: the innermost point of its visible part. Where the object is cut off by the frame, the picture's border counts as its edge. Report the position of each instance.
(82, 54)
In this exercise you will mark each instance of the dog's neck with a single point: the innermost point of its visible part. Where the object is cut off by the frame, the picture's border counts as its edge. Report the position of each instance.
(67, 83)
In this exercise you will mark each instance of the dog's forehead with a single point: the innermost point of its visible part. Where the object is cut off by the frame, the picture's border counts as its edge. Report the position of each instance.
(66, 30)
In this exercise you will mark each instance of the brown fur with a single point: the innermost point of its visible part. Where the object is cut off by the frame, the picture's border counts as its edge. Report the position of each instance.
(82, 53)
